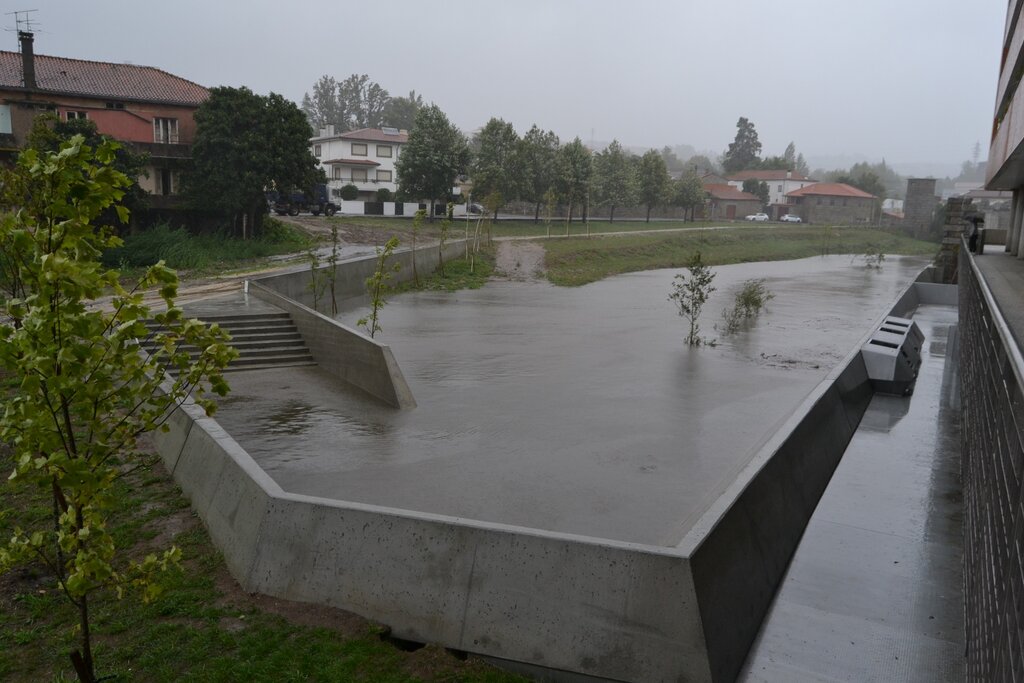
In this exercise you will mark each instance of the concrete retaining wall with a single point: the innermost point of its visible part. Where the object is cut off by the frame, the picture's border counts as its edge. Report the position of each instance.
(343, 352)
(568, 603)
(350, 279)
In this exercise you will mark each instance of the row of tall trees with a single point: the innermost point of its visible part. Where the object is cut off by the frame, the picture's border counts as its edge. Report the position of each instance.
(357, 102)
(536, 168)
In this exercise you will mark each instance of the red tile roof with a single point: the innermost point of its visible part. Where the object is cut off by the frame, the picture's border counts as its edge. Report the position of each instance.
(719, 191)
(830, 190)
(375, 135)
(104, 80)
(767, 175)
(352, 162)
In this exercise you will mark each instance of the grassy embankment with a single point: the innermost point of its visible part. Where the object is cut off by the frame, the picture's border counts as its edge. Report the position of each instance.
(572, 262)
(203, 628)
(200, 255)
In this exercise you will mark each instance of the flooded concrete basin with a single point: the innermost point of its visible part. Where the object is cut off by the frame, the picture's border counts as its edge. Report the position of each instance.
(577, 411)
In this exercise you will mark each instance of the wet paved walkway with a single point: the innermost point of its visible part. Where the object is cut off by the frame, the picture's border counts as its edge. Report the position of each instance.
(874, 592)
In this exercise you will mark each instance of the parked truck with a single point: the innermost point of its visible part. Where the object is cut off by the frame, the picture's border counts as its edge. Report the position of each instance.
(316, 201)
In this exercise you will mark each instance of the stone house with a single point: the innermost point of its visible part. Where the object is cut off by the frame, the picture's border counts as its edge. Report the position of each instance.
(835, 203)
(365, 158)
(726, 202)
(149, 110)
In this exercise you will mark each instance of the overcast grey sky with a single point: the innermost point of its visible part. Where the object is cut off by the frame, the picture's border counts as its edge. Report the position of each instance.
(908, 80)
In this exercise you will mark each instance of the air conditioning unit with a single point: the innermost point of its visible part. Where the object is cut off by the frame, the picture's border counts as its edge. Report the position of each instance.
(892, 356)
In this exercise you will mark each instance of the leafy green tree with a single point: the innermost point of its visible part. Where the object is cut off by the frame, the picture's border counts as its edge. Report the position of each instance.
(672, 162)
(435, 154)
(497, 163)
(400, 112)
(49, 133)
(364, 100)
(246, 143)
(86, 393)
(615, 182)
(348, 192)
(701, 164)
(866, 181)
(688, 193)
(758, 188)
(653, 179)
(689, 293)
(322, 108)
(575, 168)
(356, 102)
(745, 151)
(775, 163)
(539, 158)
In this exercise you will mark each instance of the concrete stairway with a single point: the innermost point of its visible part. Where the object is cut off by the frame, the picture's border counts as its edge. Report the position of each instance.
(263, 340)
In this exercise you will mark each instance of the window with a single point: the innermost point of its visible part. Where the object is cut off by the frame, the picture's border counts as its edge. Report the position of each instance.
(359, 174)
(780, 188)
(5, 119)
(165, 181)
(384, 151)
(337, 172)
(72, 115)
(359, 149)
(383, 176)
(115, 105)
(316, 150)
(165, 130)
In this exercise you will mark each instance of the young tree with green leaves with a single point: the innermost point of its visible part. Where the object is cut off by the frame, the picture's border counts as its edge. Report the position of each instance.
(432, 158)
(497, 165)
(575, 169)
(615, 182)
(688, 193)
(86, 391)
(245, 144)
(49, 133)
(689, 293)
(377, 286)
(745, 151)
(653, 180)
(539, 158)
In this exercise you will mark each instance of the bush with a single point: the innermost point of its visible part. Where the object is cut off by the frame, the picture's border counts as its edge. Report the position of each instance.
(348, 192)
(182, 250)
(384, 195)
(750, 299)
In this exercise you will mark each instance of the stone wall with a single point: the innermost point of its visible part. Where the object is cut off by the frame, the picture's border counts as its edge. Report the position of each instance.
(992, 391)
(823, 210)
(919, 206)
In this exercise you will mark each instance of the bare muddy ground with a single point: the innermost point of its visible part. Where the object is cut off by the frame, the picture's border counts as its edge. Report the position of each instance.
(520, 261)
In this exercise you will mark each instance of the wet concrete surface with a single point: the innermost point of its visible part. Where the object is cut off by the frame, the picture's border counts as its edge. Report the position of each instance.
(874, 591)
(570, 410)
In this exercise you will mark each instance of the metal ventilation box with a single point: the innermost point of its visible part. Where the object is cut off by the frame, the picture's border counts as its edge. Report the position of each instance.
(893, 356)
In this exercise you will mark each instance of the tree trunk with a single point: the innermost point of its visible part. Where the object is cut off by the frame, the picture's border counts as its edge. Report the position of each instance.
(431, 217)
(648, 213)
(82, 660)
(611, 216)
(568, 219)
(536, 213)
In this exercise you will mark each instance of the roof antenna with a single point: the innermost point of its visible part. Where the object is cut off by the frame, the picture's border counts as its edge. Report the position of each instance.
(24, 22)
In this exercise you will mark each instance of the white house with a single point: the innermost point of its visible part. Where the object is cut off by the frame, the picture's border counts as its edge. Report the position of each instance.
(780, 183)
(364, 158)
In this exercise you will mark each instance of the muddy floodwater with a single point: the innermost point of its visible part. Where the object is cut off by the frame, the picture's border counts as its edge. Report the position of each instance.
(576, 410)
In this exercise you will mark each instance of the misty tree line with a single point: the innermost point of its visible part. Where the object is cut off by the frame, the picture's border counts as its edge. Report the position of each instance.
(357, 102)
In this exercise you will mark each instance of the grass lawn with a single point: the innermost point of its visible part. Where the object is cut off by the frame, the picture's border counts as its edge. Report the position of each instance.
(204, 627)
(572, 262)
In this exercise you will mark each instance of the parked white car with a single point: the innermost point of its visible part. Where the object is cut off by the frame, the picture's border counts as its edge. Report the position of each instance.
(791, 218)
(759, 217)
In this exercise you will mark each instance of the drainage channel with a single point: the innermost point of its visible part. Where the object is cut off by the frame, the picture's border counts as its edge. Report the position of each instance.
(874, 591)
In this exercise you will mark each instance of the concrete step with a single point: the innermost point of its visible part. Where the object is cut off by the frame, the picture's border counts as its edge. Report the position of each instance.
(263, 340)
